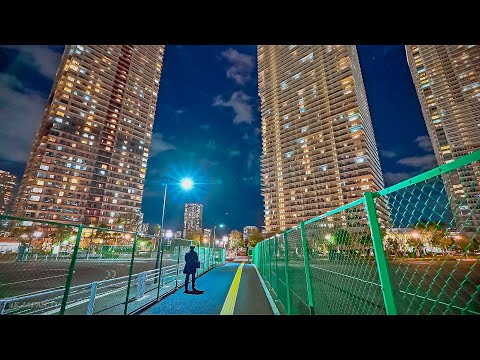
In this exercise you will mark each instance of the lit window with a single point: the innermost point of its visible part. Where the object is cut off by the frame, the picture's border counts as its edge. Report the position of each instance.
(309, 57)
(283, 85)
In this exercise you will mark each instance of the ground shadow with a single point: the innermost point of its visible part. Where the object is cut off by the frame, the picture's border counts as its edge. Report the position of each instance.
(195, 292)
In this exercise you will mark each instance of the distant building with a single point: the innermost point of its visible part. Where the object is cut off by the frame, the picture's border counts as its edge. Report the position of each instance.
(145, 228)
(247, 231)
(7, 184)
(207, 234)
(192, 218)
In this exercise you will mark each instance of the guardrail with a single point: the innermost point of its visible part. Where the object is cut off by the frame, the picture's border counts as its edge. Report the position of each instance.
(412, 248)
(53, 268)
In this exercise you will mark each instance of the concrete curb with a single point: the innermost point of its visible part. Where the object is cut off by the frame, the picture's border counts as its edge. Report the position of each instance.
(267, 293)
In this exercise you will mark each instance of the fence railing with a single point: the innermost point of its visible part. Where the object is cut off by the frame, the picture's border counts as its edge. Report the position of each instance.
(412, 248)
(54, 268)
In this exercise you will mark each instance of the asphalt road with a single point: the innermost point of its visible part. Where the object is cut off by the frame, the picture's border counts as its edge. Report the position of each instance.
(19, 278)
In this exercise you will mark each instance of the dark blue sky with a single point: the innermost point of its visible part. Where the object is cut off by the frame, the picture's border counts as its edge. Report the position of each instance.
(207, 124)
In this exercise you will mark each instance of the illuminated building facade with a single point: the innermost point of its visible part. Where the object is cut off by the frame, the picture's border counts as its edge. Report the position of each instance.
(7, 185)
(447, 80)
(192, 218)
(318, 145)
(89, 158)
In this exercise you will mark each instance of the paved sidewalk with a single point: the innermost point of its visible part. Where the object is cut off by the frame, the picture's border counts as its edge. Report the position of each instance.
(251, 298)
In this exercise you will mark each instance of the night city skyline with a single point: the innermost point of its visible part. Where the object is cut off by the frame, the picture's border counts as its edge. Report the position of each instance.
(207, 124)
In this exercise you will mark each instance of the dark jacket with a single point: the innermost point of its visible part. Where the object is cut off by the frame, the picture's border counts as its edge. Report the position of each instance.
(191, 258)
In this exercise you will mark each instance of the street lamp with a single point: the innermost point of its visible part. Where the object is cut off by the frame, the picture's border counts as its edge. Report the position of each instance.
(185, 184)
(415, 234)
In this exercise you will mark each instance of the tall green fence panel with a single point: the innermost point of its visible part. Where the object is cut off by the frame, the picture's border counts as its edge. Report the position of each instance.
(35, 259)
(296, 274)
(281, 290)
(342, 264)
(431, 238)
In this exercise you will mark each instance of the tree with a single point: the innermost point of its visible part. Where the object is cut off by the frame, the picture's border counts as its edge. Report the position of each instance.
(61, 234)
(254, 238)
(342, 237)
(129, 222)
(365, 241)
(195, 236)
(236, 239)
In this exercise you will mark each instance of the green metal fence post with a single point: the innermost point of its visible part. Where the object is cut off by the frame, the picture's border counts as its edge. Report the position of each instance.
(178, 265)
(307, 268)
(160, 272)
(125, 310)
(70, 270)
(287, 280)
(275, 249)
(380, 258)
(269, 262)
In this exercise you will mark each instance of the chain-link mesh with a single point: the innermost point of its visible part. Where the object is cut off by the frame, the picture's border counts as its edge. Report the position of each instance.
(34, 264)
(432, 244)
(98, 266)
(342, 266)
(421, 256)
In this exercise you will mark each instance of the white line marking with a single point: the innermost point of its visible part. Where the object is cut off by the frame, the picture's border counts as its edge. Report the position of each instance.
(267, 293)
(18, 282)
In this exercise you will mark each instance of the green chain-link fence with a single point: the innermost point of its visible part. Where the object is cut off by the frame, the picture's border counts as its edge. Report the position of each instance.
(55, 268)
(412, 248)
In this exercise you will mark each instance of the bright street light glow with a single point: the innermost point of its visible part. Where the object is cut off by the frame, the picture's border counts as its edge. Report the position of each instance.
(415, 234)
(216, 242)
(186, 183)
(328, 237)
(168, 234)
(221, 225)
(128, 236)
(37, 233)
(205, 241)
(225, 238)
(142, 243)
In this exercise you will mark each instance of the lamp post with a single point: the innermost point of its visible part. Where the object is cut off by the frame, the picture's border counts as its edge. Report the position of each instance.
(185, 184)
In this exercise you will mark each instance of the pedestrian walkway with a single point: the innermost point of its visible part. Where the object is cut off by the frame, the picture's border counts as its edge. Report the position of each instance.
(234, 288)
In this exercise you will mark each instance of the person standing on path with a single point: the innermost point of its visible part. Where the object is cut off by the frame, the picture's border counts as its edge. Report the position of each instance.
(191, 265)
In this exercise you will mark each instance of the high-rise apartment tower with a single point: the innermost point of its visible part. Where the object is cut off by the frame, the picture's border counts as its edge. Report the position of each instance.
(447, 80)
(192, 218)
(318, 145)
(89, 158)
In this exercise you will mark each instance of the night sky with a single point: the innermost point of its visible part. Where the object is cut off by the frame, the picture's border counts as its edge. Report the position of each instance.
(207, 124)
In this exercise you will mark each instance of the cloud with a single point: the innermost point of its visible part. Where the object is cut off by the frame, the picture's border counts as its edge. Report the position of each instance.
(250, 159)
(207, 163)
(257, 131)
(205, 126)
(242, 65)
(240, 103)
(424, 142)
(179, 111)
(389, 154)
(233, 153)
(392, 178)
(211, 145)
(41, 57)
(20, 108)
(245, 136)
(159, 145)
(424, 162)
